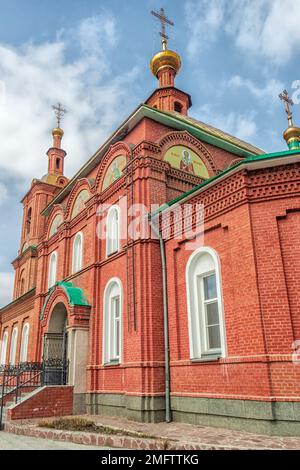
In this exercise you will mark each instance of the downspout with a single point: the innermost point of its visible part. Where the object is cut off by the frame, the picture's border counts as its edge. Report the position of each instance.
(166, 321)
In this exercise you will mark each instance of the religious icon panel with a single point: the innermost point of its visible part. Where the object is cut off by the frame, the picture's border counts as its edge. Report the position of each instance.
(185, 159)
(114, 171)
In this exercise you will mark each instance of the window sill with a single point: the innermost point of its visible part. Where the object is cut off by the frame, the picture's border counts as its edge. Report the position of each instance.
(112, 363)
(208, 358)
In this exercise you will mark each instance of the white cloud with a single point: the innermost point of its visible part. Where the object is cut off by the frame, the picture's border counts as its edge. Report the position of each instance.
(240, 125)
(268, 92)
(207, 17)
(74, 69)
(267, 29)
(6, 287)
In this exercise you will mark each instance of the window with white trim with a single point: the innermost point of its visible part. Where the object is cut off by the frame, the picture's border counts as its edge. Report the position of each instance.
(112, 322)
(13, 346)
(52, 269)
(112, 231)
(4, 348)
(24, 343)
(205, 307)
(77, 253)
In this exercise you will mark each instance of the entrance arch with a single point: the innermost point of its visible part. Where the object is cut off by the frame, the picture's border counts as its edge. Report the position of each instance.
(55, 347)
(58, 319)
(65, 327)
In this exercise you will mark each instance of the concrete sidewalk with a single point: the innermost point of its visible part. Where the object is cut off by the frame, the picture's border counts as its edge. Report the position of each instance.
(158, 436)
(10, 441)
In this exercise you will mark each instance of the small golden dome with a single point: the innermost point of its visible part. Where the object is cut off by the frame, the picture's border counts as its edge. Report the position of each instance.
(163, 59)
(57, 131)
(291, 133)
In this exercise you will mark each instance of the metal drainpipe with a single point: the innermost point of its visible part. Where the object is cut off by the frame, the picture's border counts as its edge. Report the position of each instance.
(166, 322)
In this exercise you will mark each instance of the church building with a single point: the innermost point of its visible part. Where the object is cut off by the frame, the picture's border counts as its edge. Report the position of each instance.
(164, 274)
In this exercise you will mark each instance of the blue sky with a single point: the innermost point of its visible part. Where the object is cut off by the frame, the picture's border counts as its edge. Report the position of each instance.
(94, 56)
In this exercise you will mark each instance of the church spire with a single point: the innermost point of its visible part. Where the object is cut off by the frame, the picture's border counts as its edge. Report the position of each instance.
(292, 133)
(165, 65)
(56, 154)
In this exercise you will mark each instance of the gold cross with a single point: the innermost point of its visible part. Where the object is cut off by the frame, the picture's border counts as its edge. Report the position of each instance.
(59, 112)
(160, 15)
(284, 96)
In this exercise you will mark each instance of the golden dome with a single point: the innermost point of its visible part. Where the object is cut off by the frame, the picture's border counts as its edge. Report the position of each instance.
(165, 58)
(291, 133)
(57, 131)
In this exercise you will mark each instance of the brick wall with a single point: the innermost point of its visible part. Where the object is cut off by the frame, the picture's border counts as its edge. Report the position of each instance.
(43, 403)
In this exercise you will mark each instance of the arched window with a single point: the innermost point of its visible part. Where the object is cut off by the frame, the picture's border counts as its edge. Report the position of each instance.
(22, 283)
(77, 253)
(13, 346)
(24, 343)
(177, 107)
(28, 220)
(52, 269)
(205, 306)
(112, 322)
(4, 348)
(112, 231)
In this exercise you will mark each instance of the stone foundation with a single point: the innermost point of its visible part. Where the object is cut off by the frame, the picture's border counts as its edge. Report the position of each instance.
(144, 409)
(269, 418)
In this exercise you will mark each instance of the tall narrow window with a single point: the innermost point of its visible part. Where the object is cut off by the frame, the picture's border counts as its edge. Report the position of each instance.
(22, 283)
(52, 269)
(77, 253)
(112, 322)
(4, 348)
(112, 228)
(28, 220)
(24, 343)
(13, 347)
(205, 311)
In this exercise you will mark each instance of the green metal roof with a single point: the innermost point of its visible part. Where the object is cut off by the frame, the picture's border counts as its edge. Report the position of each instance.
(75, 295)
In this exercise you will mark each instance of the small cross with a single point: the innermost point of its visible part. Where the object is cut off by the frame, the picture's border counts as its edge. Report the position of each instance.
(59, 112)
(284, 96)
(164, 20)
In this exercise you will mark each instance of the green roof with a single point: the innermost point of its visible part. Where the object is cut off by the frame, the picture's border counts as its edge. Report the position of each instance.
(75, 295)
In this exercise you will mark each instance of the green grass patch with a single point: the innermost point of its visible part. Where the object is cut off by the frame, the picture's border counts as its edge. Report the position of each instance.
(87, 425)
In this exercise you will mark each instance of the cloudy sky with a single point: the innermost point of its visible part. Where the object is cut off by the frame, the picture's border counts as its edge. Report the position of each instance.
(93, 56)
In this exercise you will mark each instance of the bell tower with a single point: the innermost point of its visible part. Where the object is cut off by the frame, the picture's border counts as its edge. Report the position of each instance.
(35, 200)
(164, 66)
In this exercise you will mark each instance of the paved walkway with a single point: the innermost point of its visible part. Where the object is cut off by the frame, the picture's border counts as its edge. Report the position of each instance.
(201, 435)
(13, 442)
(149, 436)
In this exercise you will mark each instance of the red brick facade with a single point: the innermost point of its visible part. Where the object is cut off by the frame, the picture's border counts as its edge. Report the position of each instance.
(252, 223)
(45, 402)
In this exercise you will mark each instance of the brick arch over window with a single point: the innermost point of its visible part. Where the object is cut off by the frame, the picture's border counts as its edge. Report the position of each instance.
(185, 138)
(79, 186)
(120, 148)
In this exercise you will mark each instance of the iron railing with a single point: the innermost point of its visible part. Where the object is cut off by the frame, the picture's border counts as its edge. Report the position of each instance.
(14, 379)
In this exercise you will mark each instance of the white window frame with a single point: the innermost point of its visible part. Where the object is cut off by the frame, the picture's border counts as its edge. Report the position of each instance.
(52, 273)
(13, 346)
(112, 351)
(77, 257)
(113, 231)
(24, 343)
(195, 272)
(4, 345)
